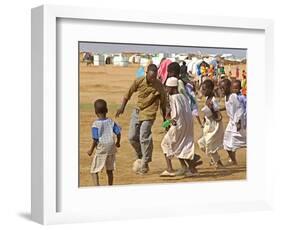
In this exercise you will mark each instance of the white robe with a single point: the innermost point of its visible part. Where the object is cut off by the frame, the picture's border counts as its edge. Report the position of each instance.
(234, 139)
(179, 140)
(212, 139)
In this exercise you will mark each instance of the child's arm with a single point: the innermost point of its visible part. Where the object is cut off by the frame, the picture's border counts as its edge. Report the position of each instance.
(216, 113)
(122, 107)
(127, 97)
(199, 121)
(238, 125)
(118, 140)
(117, 132)
(90, 151)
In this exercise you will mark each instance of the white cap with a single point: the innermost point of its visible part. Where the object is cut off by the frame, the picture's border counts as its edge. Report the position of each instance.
(172, 82)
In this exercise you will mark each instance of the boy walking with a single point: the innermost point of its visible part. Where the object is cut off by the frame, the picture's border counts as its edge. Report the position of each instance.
(103, 130)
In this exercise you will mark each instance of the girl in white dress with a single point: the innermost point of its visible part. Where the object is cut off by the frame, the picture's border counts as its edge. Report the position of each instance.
(212, 139)
(235, 133)
(179, 140)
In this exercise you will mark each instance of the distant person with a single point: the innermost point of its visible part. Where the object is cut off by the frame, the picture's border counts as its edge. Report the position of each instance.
(162, 71)
(103, 130)
(183, 70)
(151, 93)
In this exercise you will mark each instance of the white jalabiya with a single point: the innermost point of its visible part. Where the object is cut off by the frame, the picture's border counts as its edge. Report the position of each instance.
(179, 140)
(234, 139)
(212, 139)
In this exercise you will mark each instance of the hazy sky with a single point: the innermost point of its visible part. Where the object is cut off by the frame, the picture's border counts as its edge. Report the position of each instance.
(118, 48)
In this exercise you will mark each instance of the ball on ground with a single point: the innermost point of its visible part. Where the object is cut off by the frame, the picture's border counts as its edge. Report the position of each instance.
(137, 165)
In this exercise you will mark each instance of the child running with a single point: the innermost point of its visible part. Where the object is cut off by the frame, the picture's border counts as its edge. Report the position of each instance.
(212, 139)
(178, 141)
(235, 133)
(103, 140)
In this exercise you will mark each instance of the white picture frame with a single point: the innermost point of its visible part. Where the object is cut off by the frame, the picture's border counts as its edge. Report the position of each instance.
(45, 168)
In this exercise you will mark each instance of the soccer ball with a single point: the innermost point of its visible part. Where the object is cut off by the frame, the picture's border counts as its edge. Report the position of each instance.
(137, 165)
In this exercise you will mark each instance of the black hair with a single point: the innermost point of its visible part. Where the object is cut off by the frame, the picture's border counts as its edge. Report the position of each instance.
(227, 82)
(152, 67)
(100, 106)
(209, 84)
(184, 63)
(174, 67)
(237, 82)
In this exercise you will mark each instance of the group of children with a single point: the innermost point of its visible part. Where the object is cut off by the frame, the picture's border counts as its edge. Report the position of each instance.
(178, 141)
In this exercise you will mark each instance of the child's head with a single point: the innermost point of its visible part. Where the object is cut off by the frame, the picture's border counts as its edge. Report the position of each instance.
(225, 87)
(174, 70)
(183, 63)
(172, 85)
(151, 73)
(236, 86)
(207, 87)
(100, 107)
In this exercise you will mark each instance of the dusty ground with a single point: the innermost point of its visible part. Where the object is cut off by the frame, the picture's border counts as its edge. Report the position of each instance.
(110, 83)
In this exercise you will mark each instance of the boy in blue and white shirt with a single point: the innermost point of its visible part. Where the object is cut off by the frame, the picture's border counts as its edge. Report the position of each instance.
(103, 130)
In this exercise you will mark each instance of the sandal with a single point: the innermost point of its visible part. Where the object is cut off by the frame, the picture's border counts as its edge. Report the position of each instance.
(167, 174)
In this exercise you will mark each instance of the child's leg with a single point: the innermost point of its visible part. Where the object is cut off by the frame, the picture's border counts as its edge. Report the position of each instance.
(169, 164)
(232, 156)
(183, 164)
(109, 177)
(193, 164)
(199, 121)
(216, 158)
(95, 177)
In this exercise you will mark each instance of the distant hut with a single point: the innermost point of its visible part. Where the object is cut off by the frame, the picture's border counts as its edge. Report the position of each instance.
(98, 59)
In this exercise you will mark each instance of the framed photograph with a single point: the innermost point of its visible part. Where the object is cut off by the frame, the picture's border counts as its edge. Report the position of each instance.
(141, 114)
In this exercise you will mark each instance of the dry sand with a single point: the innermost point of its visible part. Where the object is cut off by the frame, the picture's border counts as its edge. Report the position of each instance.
(110, 83)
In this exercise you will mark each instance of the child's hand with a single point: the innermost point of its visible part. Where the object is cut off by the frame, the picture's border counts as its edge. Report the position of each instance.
(238, 126)
(209, 103)
(89, 152)
(119, 112)
(117, 145)
(174, 122)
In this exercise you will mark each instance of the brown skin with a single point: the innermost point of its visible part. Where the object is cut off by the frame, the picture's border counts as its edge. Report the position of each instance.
(236, 87)
(225, 89)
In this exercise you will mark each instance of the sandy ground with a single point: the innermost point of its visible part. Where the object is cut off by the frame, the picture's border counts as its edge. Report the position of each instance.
(110, 83)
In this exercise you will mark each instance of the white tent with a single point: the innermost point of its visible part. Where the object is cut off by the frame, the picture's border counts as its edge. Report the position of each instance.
(120, 61)
(98, 59)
